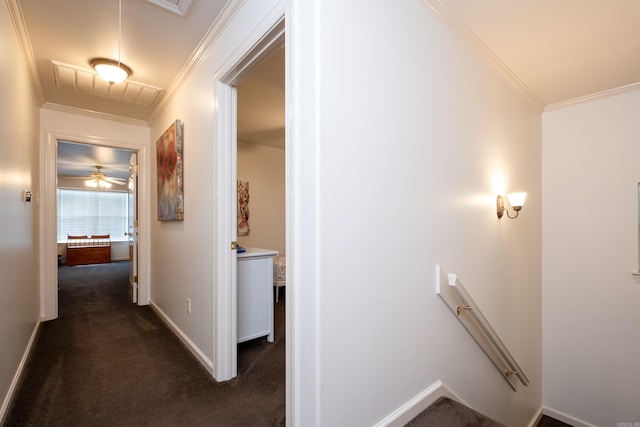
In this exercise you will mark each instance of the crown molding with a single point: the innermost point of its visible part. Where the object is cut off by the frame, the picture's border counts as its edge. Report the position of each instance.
(222, 20)
(465, 33)
(93, 114)
(17, 18)
(633, 87)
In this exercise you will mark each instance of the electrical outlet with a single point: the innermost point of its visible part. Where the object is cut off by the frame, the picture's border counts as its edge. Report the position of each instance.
(188, 305)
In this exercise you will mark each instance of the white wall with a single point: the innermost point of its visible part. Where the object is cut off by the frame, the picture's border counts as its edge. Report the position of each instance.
(400, 141)
(263, 168)
(416, 132)
(591, 337)
(19, 288)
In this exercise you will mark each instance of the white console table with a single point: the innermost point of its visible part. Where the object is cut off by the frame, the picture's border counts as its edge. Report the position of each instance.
(255, 294)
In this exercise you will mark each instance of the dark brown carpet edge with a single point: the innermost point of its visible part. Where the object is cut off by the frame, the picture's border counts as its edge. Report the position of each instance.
(106, 362)
(445, 412)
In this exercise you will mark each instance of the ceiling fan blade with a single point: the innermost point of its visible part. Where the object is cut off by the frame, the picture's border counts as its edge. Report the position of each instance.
(118, 181)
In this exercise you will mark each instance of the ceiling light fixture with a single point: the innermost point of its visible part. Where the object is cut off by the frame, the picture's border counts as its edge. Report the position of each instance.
(98, 180)
(515, 199)
(111, 70)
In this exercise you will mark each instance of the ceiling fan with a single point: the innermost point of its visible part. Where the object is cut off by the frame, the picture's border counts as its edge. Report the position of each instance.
(98, 179)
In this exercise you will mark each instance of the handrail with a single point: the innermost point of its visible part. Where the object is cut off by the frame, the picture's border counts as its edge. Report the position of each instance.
(468, 313)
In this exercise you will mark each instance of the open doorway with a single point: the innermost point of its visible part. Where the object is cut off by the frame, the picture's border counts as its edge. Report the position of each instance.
(271, 41)
(261, 230)
(49, 236)
(96, 206)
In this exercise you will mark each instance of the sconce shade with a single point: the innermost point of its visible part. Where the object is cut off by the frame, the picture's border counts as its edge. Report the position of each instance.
(110, 70)
(517, 200)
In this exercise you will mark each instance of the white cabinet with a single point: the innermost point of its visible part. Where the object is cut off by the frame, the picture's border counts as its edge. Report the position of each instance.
(255, 294)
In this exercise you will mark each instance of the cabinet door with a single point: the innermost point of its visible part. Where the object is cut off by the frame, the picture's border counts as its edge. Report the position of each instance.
(255, 298)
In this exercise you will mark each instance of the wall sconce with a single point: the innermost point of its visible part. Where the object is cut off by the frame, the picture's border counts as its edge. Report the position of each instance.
(515, 199)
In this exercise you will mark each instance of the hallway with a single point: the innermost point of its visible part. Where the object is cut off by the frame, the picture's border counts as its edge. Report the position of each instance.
(106, 361)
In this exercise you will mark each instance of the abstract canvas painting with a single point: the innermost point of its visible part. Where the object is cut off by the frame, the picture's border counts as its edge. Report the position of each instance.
(243, 208)
(170, 185)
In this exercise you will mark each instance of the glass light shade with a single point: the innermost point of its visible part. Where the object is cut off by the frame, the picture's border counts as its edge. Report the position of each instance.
(517, 200)
(111, 73)
(95, 183)
(110, 70)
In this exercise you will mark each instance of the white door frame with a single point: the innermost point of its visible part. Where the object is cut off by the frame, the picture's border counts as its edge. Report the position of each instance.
(49, 244)
(270, 36)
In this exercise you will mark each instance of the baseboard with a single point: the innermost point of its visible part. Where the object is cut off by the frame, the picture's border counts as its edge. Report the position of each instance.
(417, 404)
(536, 418)
(565, 418)
(202, 358)
(16, 378)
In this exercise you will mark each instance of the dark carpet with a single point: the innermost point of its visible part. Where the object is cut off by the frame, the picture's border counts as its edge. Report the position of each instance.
(108, 362)
(445, 412)
(547, 421)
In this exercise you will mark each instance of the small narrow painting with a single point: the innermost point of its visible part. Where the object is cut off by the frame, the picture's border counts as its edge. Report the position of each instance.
(170, 185)
(243, 208)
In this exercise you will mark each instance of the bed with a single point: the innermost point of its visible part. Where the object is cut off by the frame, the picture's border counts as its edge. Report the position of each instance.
(88, 249)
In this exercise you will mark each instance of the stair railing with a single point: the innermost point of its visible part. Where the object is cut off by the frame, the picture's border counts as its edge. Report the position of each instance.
(449, 288)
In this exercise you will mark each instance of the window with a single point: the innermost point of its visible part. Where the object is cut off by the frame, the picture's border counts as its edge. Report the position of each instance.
(85, 212)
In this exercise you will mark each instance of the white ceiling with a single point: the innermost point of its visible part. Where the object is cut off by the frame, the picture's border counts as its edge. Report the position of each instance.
(559, 49)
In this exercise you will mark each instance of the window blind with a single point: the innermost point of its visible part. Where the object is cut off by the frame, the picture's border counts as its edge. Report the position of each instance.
(86, 212)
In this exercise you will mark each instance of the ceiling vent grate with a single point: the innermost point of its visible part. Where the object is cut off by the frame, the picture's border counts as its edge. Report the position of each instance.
(175, 6)
(88, 82)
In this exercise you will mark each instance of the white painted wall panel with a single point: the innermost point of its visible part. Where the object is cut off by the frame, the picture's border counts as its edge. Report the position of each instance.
(591, 338)
(19, 228)
(418, 132)
(401, 135)
(263, 168)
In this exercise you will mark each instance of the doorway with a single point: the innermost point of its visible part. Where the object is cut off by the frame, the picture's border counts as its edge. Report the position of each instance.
(226, 225)
(49, 243)
(96, 204)
(261, 230)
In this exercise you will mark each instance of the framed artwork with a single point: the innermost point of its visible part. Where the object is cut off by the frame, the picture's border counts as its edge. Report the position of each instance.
(170, 182)
(243, 208)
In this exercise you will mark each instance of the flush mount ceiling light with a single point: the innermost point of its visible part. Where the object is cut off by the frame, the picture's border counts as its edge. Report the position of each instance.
(515, 199)
(111, 70)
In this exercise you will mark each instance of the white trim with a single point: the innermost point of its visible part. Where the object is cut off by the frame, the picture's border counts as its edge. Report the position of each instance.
(17, 18)
(303, 156)
(180, 8)
(473, 40)
(417, 404)
(267, 34)
(16, 378)
(225, 346)
(633, 87)
(565, 418)
(193, 348)
(536, 418)
(217, 27)
(93, 114)
(48, 237)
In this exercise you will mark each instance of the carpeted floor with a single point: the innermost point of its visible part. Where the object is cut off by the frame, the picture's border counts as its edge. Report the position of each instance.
(445, 412)
(107, 362)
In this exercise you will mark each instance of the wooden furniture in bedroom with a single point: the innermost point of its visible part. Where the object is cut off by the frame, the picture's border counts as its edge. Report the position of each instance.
(93, 249)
